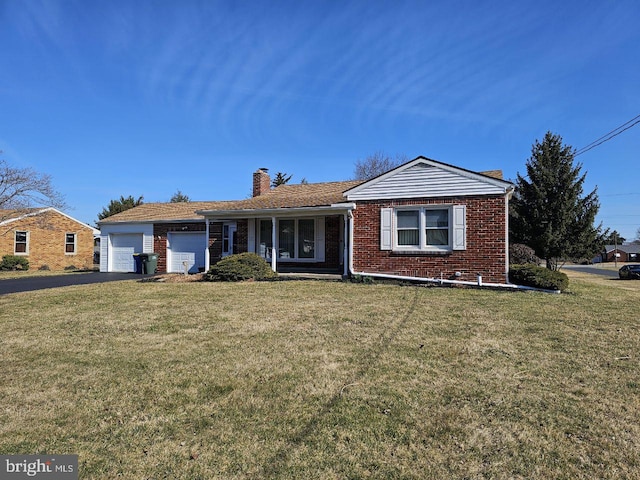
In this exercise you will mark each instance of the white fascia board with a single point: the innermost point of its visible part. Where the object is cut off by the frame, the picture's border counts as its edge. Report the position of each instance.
(275, 212)
(501, 184)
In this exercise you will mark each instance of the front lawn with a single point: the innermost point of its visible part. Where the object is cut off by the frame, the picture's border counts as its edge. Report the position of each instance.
(310, 379)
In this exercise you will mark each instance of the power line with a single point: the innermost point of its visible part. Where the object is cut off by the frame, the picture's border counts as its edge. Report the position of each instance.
(608, 136)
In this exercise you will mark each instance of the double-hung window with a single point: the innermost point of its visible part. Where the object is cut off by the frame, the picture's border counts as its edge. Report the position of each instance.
(21, 244)
(424, 228)
(70, 243)
(437, 227)
(408, 228)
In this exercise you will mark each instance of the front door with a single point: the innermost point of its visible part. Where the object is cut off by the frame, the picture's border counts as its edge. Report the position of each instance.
(229, 238)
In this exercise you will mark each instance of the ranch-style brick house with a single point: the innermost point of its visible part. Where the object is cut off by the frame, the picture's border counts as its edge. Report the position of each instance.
(424, 219)
(47, 237)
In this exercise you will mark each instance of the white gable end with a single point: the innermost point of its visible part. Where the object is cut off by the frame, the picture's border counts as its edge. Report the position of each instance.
(426, 179)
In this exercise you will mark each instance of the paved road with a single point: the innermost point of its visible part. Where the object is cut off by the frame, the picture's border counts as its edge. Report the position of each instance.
(593, 270)
(29, 284)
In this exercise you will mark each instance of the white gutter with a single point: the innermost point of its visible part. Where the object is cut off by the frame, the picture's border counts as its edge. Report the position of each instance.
(439, 281)
(277, 211)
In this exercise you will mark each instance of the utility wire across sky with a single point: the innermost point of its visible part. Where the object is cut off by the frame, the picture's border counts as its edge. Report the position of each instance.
(605, 138)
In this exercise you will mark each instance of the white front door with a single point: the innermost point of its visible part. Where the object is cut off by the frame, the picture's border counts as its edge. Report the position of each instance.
(229, 238)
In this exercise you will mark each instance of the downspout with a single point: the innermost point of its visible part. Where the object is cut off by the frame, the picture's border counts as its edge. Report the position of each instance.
(207, 258)
(506, 238)
(345, 250)
(439, 281)
(274, 265)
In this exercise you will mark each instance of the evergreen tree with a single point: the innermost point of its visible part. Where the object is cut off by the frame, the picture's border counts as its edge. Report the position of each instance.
(549, 212)
(117, 206)
(280, 179)
(179, 197)
(613, 238)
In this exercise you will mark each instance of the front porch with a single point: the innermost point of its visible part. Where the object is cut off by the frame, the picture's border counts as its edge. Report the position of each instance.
(295, 241)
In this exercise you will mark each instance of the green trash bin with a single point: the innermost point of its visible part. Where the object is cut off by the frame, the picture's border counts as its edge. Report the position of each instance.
(149, 262)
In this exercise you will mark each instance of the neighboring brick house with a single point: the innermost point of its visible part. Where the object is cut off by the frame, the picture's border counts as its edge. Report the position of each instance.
(47, 237)
(627, 252)
(421, 219)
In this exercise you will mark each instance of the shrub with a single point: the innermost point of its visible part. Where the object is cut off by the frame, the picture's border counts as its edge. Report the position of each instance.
(70, 268)
(520, 254)
(362, 279)
(14, 262)
(243, 266)
(538, 277)
(44, 268)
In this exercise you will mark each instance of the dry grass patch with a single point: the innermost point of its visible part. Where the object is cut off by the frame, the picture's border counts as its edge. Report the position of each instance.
(306, 379)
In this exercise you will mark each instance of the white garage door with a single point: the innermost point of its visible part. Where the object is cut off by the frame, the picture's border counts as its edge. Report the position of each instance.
(123, 246)
(185, 247)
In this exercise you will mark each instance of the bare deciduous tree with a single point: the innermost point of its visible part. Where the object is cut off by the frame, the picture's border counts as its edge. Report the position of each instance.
(377, 164)
(24, 188)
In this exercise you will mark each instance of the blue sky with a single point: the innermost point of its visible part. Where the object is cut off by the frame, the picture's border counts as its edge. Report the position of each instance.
(150, 97)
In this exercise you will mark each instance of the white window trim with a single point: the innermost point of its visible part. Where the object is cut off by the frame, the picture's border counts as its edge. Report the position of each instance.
(75, 243)
(422, 229)
(28, 241)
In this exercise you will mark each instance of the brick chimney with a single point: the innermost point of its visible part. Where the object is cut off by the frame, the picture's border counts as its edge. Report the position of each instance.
(261, 181)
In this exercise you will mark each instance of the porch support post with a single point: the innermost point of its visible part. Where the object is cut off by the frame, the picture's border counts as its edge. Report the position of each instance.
(274, 265)
(207, 259)
(345, 241)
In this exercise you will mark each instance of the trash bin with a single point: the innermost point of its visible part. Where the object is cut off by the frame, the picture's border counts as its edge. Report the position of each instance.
(149, 262)
(137, 260)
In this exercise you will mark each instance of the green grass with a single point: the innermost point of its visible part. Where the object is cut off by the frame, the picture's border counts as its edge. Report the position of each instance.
(308, 379)
(11, 274)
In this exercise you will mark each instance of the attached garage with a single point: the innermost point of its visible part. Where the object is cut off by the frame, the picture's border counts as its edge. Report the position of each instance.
(186, 247)
(123, 246)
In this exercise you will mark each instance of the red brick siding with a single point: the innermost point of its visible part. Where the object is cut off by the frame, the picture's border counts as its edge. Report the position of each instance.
(486, 244)
(47, 241)
(215, 242)
(242, 237)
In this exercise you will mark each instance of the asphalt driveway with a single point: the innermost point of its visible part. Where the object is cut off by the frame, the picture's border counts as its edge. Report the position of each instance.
(29, 284)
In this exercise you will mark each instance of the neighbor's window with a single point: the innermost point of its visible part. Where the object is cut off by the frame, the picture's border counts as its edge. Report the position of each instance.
(70, 243)
(21, 243)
